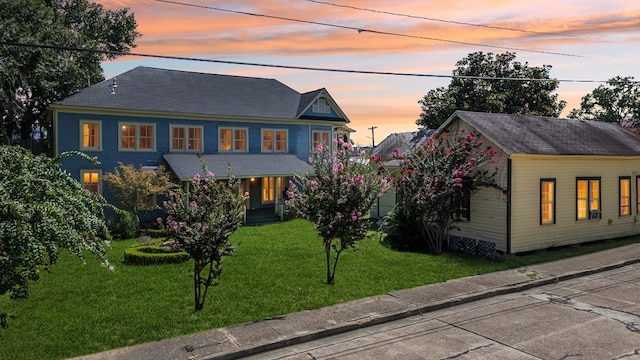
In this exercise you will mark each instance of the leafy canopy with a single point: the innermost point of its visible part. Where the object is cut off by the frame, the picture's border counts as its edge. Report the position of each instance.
(43, 210)
(133, 186)
(32, 78)
(337, 197)
(617, 101)
(471, 90)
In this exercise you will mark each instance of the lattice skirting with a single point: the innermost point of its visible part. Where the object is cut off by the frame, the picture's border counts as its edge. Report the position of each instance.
(471, 246)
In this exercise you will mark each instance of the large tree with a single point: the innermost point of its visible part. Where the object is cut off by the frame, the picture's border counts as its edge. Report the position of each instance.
(43, 210)
(33, 77)
(484, 82)
(616, 101)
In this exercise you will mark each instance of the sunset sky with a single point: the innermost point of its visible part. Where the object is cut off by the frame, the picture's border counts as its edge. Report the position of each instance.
(583, 40)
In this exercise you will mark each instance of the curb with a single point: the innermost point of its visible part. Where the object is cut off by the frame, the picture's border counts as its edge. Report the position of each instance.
(438, 305)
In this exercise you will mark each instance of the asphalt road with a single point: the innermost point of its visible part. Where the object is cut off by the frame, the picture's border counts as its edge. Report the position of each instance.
(591, 317)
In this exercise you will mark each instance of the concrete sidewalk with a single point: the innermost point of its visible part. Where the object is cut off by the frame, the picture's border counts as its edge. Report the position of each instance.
(241, 340)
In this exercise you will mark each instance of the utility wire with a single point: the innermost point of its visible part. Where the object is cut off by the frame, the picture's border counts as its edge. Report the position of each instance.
(360, 30)
(293, 67)
(442, 20)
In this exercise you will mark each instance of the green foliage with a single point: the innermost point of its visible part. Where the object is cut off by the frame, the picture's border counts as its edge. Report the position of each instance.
(31, 78)
(337, 198)
(153, 255)
(123, 225)
(471, 90)
(43, 210)
(201, 221)
(617, 101)
(436, 180)
(134, 186)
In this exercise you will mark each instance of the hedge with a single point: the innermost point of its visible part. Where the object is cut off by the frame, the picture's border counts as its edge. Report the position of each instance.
(153, 255)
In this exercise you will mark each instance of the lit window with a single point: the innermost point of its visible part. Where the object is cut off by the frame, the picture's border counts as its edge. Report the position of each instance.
(320, 137)
(232, 139)
(588, 199)
(273, 187)
(625, 195)
(90, 180)
(321, 106)
(137, 137)
(638, 194)
(547, 201)
(186, 138)
(90, 135)
(274, 141)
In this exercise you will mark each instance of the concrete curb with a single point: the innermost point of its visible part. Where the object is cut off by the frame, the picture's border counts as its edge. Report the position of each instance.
(414, 310)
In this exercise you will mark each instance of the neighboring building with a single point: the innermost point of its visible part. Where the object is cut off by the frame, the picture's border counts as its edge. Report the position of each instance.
(400, 143)
(568, 181)
(148, 116)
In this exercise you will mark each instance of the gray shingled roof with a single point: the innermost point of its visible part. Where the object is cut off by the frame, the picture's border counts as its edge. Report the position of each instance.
(173, 91)
(522, 134)
(185, 166)
(404, 142)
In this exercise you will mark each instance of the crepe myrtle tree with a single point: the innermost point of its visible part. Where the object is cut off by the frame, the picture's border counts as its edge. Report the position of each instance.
(337, 197)
(43, 210)
(200, 219)
(437, 178)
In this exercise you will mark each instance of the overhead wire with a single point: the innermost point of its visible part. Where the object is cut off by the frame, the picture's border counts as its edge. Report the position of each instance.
(361, 30)
(292, 67)
(443, 20)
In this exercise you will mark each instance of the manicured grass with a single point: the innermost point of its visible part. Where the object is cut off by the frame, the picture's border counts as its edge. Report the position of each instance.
(277, 269)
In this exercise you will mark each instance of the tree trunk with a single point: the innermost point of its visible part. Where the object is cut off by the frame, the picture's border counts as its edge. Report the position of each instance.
(327, 250)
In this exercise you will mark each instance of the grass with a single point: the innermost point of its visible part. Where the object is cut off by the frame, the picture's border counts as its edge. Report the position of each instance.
(80, 308)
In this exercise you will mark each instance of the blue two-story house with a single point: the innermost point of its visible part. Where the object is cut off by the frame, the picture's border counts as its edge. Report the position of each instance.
(263, 129)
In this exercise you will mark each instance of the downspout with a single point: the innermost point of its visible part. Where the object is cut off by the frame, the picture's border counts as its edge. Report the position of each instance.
(509, 188)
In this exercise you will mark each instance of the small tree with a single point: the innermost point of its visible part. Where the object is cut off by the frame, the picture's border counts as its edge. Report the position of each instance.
(434, 181)
(200, 219)
(337, 198)
(133, 186)
(43, 210)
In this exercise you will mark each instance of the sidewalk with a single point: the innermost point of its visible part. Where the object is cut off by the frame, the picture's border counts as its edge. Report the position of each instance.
(252, 338)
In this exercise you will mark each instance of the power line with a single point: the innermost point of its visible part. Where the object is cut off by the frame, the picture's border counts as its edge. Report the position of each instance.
(361, 30)
(292, 67)
(442, 20)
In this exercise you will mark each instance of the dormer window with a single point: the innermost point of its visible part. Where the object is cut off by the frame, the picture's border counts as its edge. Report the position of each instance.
(321, 106)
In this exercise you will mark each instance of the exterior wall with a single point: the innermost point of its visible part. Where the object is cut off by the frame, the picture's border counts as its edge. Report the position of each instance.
(488, 218)
(67, 138)
(385, 204)
(529, 234)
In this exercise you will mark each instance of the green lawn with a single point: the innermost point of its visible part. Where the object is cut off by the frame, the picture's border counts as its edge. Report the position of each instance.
(277, 269)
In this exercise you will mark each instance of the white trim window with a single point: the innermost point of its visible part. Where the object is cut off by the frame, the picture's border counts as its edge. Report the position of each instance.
(274, 140)
(90, 135)
(232, 139)
(91, 180)
(136, 137)
(320, 137)
(321, 106)
(186, 138)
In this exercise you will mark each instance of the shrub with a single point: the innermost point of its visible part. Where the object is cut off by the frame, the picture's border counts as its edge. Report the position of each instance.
(153, 255)
(123, 226)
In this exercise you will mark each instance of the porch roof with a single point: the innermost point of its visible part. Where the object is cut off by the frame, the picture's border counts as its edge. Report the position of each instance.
(185, 166)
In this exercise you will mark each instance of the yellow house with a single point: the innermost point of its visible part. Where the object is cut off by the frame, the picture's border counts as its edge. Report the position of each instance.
(568, 181)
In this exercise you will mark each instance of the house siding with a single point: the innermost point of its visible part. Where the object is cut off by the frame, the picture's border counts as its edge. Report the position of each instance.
(527, 232)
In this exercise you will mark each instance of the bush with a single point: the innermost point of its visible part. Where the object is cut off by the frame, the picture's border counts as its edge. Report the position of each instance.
(402, 234)
(153, 255)
(123, 226)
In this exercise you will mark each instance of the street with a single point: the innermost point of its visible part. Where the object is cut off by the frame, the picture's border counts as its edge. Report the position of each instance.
(591, 317)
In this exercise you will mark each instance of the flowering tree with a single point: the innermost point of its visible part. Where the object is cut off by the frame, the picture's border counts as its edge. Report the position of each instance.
(337, 197)
(201, 219)
(43, 209)
(436, 179)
